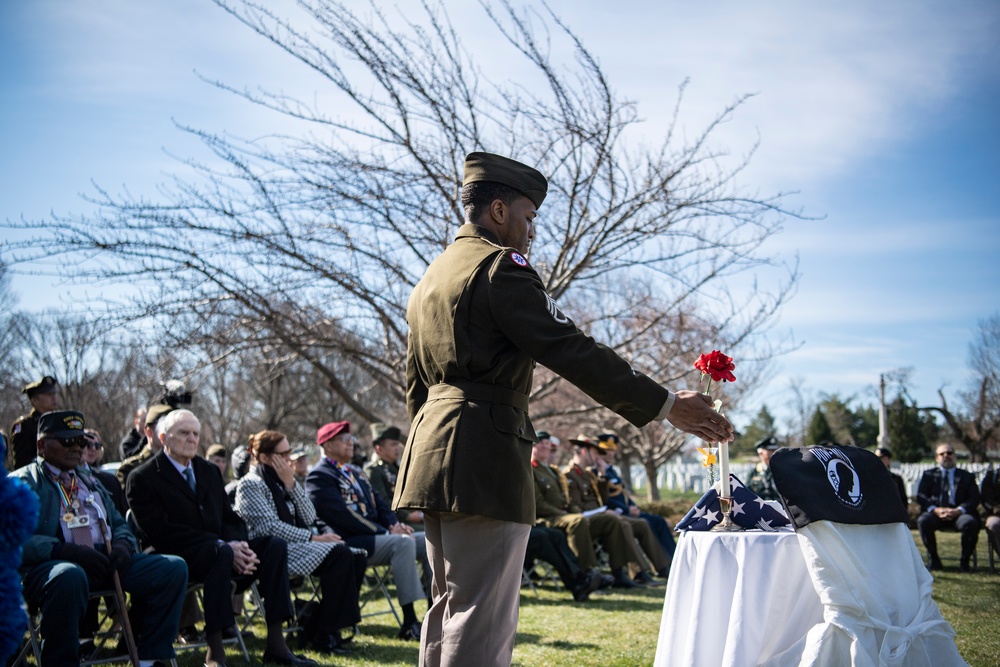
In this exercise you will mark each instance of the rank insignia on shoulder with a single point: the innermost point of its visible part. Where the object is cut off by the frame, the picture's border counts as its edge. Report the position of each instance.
(518, 258)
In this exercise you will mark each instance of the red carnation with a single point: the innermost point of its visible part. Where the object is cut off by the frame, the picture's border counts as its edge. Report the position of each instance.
(717, 365)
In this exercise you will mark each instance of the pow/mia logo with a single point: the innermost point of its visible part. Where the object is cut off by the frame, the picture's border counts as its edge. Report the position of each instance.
(555, 312)
(842, 477)
(518, 258)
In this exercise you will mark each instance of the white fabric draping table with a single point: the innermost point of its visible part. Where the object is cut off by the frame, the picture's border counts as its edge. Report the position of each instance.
(735, 599)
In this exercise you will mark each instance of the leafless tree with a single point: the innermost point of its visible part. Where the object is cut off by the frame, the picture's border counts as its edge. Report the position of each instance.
(306, 245)
(976, 421)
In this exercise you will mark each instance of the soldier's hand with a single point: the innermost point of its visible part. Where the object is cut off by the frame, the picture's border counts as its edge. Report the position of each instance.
(693, 413)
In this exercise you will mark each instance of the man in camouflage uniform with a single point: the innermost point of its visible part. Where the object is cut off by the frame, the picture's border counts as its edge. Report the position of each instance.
(479, 320)
(44, 397)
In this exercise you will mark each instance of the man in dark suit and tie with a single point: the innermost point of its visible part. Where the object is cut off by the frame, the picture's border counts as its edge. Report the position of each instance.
(180, 503)
(948, 498)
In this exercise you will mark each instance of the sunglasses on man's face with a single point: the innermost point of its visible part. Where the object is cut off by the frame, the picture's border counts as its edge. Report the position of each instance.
(78, 441)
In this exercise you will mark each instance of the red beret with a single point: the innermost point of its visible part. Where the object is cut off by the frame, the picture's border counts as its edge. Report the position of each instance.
(331, 430)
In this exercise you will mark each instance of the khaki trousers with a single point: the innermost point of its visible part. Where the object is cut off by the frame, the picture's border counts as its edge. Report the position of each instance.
(639, 530)
(476, 564)
(581, 533)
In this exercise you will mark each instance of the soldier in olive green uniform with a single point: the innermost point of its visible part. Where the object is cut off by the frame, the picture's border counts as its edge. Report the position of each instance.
(44, 397)
(762, 480)
(587, 492)
(383, 473)
(479, 321)
(152, 446)
(552, 509)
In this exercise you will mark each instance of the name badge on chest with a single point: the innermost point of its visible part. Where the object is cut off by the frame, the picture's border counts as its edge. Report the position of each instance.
(74, 521)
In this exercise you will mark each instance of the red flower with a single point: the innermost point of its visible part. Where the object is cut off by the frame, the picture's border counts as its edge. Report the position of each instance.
(717, 365)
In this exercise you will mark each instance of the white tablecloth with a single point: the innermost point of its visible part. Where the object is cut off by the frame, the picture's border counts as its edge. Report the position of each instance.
(735, 599)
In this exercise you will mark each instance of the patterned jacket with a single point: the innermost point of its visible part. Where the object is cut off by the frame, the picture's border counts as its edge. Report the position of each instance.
(349, 506)
(255, 504)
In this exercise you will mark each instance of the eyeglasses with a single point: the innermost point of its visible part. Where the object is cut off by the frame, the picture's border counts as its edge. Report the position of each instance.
(946, 453)
(286, 454)
(78, 441)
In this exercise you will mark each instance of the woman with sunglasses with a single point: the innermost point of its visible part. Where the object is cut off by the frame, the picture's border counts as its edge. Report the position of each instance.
(271, 503)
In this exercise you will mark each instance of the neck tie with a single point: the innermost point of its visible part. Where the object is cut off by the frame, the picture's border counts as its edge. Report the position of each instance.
(945, 484)
(189, 475)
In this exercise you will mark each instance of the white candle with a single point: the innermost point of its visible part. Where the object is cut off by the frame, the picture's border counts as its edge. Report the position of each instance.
(724, 490)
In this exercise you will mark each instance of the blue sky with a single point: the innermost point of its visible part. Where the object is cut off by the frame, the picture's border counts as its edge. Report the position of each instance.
(884, 117)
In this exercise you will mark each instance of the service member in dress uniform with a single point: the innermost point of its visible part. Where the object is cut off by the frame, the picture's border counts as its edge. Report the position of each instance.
(479, 321)
(762, 480)
(44, 397)
(384, 471)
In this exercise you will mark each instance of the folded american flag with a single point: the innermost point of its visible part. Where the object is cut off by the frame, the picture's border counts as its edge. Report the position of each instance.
(750, 511)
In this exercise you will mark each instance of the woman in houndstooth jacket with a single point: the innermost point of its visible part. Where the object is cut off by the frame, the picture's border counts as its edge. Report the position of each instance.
(272, 503)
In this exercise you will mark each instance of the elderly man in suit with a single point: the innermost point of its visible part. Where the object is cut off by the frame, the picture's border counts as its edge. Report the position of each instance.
(949, 498)
(180, 503)
(345, 501)
(67, 556)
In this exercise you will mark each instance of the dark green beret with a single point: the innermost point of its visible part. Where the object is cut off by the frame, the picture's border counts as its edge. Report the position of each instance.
(62, 424)
(156, 411)
(503, 170)
(47, 385)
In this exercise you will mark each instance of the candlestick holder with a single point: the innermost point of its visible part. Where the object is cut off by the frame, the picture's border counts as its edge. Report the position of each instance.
(726, 525)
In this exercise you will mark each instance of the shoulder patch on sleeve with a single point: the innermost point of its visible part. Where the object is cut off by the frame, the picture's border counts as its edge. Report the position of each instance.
(554, 311)
(518, 258)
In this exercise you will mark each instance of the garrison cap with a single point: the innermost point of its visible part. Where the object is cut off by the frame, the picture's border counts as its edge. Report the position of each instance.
(155, 412)
(332, 430)
(382, 432)
(62, 424)
(298, 453)
(47, 385)
(499, 169)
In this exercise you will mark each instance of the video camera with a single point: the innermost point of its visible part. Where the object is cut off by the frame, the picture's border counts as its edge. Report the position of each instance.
(175, 394)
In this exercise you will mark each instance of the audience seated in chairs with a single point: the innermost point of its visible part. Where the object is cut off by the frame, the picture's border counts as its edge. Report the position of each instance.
(618, 498)
(552, 511)
(949, 498)
(179, 503)
(586, 494)
(345, 502)
(272, 503)
(67, 557)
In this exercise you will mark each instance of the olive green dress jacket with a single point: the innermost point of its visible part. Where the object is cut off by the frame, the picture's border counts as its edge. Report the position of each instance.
(479, 321)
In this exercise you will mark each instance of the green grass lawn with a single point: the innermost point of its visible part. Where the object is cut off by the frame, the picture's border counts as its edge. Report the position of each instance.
(620, 629)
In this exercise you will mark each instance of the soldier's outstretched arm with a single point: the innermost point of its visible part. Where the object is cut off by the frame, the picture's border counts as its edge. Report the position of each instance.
(693, 413)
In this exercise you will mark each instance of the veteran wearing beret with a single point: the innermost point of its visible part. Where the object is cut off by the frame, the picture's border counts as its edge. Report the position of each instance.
(479, 321)
(44, 397)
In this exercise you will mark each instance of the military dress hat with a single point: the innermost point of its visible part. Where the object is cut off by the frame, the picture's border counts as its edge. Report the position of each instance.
(768, 443)
(585, 441)
(382, 432)
(331, 430)
(216, 450)
(61, 424)
(543, 435)
(297, 453)
(155, 412)
(47, 385)
(607, 442)
(503, 170)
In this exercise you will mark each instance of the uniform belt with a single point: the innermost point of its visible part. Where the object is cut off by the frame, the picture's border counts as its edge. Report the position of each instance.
(472, 391)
